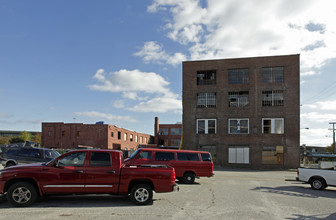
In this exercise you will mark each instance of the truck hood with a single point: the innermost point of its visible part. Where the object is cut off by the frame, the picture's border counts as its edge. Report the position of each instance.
(25, 166)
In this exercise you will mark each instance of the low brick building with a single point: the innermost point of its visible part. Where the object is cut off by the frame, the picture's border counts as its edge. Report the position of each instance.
(167, 135)
(245, 111)
(61, 135)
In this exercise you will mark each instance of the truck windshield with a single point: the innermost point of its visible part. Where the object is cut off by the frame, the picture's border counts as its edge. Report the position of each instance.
(134, 154)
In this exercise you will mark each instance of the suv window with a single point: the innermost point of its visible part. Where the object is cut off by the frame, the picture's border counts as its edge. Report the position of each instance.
(100, 159)
(164, 156)
(29, 153)
(145, 155)
(188, 156)
(206, 157)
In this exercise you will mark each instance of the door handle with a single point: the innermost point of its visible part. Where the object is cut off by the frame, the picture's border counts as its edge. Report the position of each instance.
(78, 171)
(111, 171)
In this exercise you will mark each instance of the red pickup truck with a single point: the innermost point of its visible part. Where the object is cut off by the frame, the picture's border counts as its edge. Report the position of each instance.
(85, 172)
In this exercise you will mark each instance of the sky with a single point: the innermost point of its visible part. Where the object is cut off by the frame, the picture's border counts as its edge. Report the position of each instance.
(120, 61)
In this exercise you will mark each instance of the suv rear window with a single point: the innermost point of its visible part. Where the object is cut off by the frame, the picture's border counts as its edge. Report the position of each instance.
(164, 156)
(188, 156)
(206, 157)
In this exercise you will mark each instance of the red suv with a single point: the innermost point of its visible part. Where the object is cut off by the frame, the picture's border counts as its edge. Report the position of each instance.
(188, 164)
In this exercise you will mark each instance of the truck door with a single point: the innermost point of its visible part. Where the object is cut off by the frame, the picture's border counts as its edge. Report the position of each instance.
(102, 173)
(66, 175)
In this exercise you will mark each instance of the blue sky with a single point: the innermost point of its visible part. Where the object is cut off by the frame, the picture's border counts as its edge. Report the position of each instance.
(120, 61)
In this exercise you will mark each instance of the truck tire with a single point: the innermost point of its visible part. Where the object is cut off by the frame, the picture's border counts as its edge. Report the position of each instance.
(141, 194)
(318, 183)
(189, 178)
(21, 194)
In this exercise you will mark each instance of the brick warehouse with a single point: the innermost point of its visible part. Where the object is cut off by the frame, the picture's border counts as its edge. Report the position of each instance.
(245, 111)
(61, 135)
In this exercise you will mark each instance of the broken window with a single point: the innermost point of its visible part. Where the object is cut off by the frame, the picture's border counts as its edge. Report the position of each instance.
(238, 99)
(273, 125)
(272, 74)
(238, 76)
(272, 98)
(206, 100)
(206, 77)
(238, 126)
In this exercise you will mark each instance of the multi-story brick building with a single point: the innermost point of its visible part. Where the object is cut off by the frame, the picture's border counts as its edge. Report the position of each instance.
(245, 111)
(104, 136)
(167, 135)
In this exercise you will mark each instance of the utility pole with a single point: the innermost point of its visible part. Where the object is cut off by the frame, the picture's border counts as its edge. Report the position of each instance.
(334, 148)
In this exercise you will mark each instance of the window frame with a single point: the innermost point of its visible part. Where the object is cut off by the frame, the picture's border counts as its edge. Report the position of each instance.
(206, 125)
(275, 98)
(209, 77)
(272, 76)
(239, 95)
(239, 119)
(206, 100)
(272, 126)
(238, 76)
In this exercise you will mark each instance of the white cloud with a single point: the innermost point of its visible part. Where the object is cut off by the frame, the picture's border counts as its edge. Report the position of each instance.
(104, 116)
(315, 137)
(165, 103)
(325, 105)
(153, 52)
(317, 117)
(237, 28)
(132, 83)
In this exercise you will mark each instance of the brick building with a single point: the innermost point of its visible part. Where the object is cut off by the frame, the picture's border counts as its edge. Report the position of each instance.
(66, 136)
(167, 135)
(245, 111)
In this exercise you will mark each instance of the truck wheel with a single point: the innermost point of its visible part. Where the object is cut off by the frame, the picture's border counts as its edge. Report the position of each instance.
(21, 194)
(141, 194)
(189, 178)
(318, 183)
(9, 164)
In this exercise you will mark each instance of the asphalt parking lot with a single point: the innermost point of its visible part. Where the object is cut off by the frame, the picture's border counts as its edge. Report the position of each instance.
(231, 194)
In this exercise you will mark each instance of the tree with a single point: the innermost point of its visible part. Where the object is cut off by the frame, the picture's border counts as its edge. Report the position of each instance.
(5, 139)
(25, 136)
(330, 149)
(37, 138)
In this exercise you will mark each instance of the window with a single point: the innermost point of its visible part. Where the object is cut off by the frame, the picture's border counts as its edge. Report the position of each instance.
(272, 98)
(125, 137)
(175, 142)
(50, 133)
(131, 137)
(119, 135)
(163, 131)
(78, 133)
(238, 99)
(272, 155)
(145, 140)
(112, 134)
(206, 126)
(273, 125)
(206, 77)
(188, 156)
(74, 159)
(206, 157)
(164, 156)
(63, 133)
(141, 139)
(238, 126)
(176, 131)
(272, 74)
(145, 155)
(100, 159)
(206, 100)
(238, 76)
(136, 138)
(239, 154)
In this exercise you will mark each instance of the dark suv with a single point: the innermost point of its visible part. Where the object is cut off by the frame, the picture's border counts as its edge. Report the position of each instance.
(23, 155)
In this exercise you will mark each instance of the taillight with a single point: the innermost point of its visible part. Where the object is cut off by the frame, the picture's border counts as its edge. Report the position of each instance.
(173, 175)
